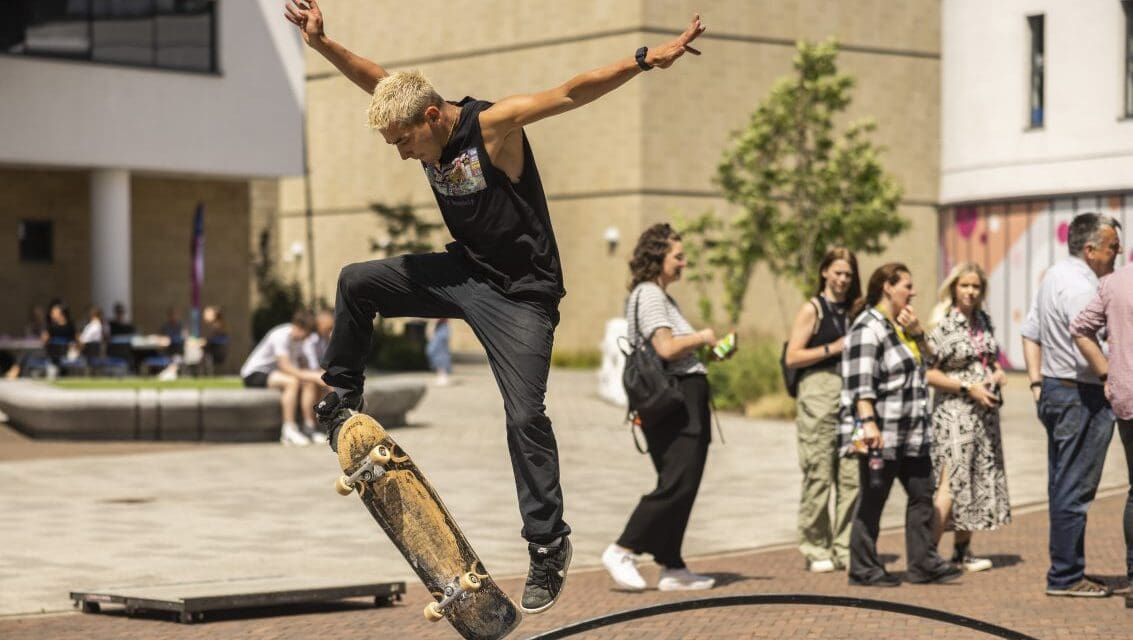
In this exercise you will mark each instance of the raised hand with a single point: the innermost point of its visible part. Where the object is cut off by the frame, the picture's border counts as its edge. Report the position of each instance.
(306, 15)
(665, 55)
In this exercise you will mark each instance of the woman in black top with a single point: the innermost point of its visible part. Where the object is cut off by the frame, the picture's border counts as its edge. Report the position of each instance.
(60, 332)
(815, 350)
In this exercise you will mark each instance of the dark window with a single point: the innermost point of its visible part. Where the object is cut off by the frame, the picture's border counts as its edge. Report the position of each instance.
(1037, 67)
(1127, 5)
(35, 237)
(168, 34)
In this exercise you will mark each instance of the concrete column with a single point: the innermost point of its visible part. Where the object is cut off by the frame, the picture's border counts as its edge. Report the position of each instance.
(110, 275)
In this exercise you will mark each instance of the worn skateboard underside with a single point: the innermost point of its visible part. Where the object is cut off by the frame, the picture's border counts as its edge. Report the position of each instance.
(413, 516)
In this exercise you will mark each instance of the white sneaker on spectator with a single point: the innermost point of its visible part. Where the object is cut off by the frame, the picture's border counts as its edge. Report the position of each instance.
(620, 564)
(822, 565)
(683, 580)
(314, 435)
(290, 434)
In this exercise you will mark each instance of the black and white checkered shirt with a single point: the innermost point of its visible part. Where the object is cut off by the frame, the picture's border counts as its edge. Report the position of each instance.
(877, 366)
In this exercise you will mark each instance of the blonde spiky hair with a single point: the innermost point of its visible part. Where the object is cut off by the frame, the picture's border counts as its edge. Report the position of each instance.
(401, 99)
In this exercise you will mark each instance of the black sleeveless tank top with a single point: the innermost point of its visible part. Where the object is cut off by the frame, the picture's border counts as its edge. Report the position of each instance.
(831, 327)
(503, 229)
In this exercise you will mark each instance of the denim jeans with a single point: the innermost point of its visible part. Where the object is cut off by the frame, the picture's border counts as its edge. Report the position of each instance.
(1125, 429)
(1079, 427)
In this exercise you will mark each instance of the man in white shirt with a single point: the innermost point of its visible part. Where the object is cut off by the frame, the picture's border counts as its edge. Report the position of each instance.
(1070, 397)
(274, 364)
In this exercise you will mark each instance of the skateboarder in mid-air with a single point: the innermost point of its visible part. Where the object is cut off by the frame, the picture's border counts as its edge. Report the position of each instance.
(501, 275)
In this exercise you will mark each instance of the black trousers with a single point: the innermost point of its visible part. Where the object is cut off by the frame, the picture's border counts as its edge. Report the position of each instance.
(915, 475)
(516, 334)
(678, 447)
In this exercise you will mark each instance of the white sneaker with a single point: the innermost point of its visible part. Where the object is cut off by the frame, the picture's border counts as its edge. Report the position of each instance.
(290, 434)
(314, 434)
(620, 564)
(973, 564)
(683, 580)
(824, 565)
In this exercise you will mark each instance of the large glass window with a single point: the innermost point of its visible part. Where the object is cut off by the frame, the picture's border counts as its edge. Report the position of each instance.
(169, 34)
(1035, 23)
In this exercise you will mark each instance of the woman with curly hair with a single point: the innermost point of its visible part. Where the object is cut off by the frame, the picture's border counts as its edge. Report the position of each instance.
(678, 443)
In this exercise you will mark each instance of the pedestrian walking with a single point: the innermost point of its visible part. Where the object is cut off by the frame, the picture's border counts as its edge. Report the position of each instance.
(1070, 398)
(678, 443)
(814, 350)
(967, 446)
(1112, 309)
(502, 275)
(884, 410)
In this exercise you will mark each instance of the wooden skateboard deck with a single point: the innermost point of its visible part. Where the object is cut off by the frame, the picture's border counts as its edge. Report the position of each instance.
(411, 513)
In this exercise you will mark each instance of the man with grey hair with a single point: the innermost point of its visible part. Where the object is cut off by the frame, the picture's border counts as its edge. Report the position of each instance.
(1071, 399)
(502, 275)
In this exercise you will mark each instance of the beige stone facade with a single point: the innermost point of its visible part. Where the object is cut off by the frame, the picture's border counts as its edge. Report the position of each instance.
(161, 218)
(645, 153)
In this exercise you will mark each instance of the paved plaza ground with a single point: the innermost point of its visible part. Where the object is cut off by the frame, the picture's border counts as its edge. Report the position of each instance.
(94, 515)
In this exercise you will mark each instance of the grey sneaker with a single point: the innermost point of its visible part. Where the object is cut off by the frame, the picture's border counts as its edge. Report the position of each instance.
(333, 410)
(1084, 588)
(546, 576)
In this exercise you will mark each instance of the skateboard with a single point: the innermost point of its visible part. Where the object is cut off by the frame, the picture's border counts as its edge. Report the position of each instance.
(411, 513)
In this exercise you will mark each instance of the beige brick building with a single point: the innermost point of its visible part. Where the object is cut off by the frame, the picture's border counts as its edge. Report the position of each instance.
(642, 154)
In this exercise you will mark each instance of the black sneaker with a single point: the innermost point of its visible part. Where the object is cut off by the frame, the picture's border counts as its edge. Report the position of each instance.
(886, 579)
(944, 572)
(333, 410)
(546, 576)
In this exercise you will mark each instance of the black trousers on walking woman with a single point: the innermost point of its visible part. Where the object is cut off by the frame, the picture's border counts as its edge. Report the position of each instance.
(678, 447)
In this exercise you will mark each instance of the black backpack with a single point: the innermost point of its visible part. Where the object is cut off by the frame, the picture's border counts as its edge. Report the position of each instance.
(791, 376)
(652, 392)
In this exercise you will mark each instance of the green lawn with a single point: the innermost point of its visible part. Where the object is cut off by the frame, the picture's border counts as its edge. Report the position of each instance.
(225, 382)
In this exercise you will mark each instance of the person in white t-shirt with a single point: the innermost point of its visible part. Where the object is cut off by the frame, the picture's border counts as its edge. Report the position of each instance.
(274, 364)
(314, 348)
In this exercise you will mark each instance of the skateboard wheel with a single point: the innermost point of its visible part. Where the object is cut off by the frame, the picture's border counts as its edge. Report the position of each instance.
(380, 454)
(470, 582)
(343, 486)
(434, 612)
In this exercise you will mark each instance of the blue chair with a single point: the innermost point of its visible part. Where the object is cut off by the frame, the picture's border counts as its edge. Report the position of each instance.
(119, 360)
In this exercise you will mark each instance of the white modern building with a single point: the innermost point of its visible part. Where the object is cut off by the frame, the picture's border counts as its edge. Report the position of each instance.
(117, 119)
(1036, 126)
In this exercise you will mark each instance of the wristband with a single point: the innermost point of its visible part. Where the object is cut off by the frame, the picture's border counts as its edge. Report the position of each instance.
(866, 419)
(915, 336)
(1036, 385)
(640, 58)
(1103, 377)
(826, 350)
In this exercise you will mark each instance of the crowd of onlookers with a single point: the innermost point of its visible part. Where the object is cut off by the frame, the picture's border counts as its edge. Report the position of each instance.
(94, 345)
(883, 397)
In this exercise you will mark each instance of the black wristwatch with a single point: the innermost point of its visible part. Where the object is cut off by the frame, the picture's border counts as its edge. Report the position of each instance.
(965, 388)
(866, 419)
(1103, 377)
(640, 57)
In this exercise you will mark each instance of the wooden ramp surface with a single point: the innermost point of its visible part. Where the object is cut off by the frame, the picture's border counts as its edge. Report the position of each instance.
(192, 600)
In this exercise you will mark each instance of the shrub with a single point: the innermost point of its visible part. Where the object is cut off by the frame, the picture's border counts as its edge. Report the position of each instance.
(577, 358)
(396, 351)
(748, 376)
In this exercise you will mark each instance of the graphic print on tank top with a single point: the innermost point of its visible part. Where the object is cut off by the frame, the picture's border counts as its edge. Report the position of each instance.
(461, 177)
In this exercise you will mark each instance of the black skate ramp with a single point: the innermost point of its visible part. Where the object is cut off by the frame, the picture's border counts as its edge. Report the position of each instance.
(194, 601)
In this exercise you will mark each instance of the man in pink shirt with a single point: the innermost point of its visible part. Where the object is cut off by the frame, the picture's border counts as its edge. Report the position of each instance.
(1112, 308)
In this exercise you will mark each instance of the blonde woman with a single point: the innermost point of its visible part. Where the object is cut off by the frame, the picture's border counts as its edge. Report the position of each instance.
(967, 449)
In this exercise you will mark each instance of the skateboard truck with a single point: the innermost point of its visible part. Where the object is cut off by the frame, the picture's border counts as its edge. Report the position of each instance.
(460, 585)
(370, 470)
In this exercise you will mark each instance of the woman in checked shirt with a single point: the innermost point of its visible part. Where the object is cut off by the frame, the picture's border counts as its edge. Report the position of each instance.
(885, 393)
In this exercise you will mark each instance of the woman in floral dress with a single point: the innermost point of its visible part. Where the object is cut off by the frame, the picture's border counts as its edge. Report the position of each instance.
(967, 449)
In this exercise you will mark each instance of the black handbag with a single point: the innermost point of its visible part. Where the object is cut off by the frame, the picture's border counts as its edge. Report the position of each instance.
(652, 392)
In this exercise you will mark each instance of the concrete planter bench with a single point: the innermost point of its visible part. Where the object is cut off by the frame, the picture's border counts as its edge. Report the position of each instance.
(225, 415)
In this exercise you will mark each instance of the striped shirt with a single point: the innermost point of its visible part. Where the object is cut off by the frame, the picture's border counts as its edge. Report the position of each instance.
(1112, 309)
(877, 366)
(656, 310)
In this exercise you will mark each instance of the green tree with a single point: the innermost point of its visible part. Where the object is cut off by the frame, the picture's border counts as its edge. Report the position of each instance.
(406, 232)
(800, 187)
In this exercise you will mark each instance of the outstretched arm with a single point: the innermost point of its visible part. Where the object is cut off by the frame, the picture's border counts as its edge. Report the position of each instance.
(307, 15)
(512, 113)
